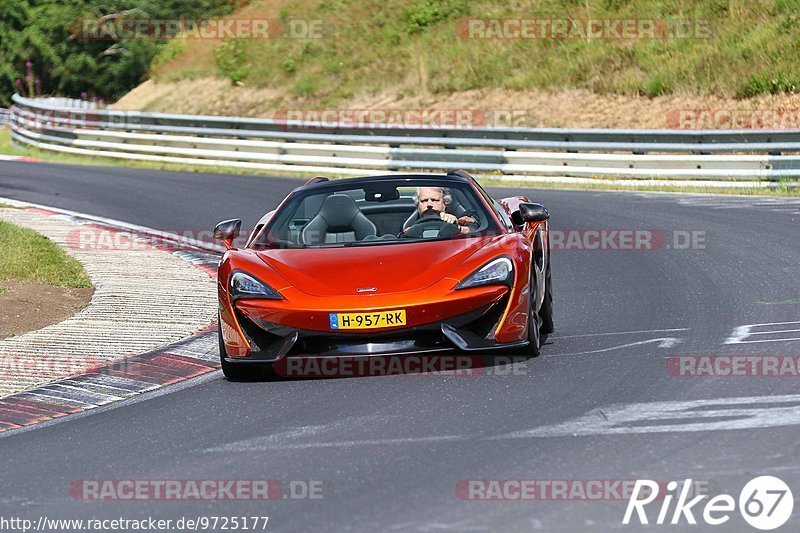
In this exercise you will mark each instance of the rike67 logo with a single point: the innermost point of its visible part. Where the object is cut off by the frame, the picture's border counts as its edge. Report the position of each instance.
(765, 503)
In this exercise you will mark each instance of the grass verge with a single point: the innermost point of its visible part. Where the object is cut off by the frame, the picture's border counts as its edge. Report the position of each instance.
(30, 256)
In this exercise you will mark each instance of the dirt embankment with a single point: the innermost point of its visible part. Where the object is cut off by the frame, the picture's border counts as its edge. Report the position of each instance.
(567, 109)
(27, 306)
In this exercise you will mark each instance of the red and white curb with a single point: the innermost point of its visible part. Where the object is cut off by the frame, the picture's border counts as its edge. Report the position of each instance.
(129, 377)
(114, 376)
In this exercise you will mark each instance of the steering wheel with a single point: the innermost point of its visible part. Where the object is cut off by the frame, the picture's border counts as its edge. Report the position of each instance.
(430, 225)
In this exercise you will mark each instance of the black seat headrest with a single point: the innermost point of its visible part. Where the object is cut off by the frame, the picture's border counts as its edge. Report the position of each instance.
(339, 220)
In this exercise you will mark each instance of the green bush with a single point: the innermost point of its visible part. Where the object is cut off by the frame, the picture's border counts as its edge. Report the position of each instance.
(658, 85)
(170, 51)
(769, 84)
(289, 65)
(230, 59)
(427, 13)
(305, 86)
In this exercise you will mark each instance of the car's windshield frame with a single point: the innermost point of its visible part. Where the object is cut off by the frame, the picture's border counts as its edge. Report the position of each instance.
(292, 203)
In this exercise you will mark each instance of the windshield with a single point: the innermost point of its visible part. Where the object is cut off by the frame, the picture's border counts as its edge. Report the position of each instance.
(379, 212)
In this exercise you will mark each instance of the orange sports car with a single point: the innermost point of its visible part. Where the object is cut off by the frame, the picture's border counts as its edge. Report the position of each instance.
(385, 265)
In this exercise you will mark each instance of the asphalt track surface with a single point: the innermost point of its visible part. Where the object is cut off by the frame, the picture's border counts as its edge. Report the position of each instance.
(390, 451)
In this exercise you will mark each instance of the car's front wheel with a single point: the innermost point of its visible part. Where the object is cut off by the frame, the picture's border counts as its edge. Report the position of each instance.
(534, 323)
(546, 312)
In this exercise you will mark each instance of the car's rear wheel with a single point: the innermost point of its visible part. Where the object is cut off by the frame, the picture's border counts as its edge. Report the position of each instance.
(546, 312)
(234, 370)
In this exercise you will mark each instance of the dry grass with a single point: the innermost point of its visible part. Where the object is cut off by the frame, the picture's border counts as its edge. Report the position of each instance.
(576, 108)
(408, 55)
(412, 49)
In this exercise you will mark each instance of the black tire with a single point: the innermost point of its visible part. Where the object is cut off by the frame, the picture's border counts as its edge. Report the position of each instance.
(534, 325)
(233, 370)
(546, 312)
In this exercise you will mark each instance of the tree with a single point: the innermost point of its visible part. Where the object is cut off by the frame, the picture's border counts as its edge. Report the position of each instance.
(49, 35)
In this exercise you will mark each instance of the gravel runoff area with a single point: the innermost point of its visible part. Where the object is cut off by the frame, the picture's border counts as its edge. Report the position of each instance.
(144, 297)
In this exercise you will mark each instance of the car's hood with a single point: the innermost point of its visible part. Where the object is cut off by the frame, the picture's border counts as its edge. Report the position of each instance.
(384, 267)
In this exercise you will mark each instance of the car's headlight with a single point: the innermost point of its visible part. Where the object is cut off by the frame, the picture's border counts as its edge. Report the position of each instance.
(498, 271)
(246, 286)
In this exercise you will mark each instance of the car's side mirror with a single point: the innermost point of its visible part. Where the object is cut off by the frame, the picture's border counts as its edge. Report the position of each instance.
(227, 231)
(530, 212)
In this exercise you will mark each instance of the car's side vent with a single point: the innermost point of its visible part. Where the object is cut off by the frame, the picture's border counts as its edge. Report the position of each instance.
(485, 325)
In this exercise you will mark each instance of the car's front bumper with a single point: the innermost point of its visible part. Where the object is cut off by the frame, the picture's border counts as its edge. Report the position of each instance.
(263, 339)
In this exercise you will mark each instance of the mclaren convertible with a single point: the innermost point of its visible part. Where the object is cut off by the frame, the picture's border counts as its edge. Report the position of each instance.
(385, 265)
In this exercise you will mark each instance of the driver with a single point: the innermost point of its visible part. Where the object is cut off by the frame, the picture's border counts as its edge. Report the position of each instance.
(429, 199)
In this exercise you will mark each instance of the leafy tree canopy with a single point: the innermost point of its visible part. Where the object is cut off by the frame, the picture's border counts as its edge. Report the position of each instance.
(42, 39)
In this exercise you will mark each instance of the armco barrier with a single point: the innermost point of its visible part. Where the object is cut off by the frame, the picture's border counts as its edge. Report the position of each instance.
(75, 126)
